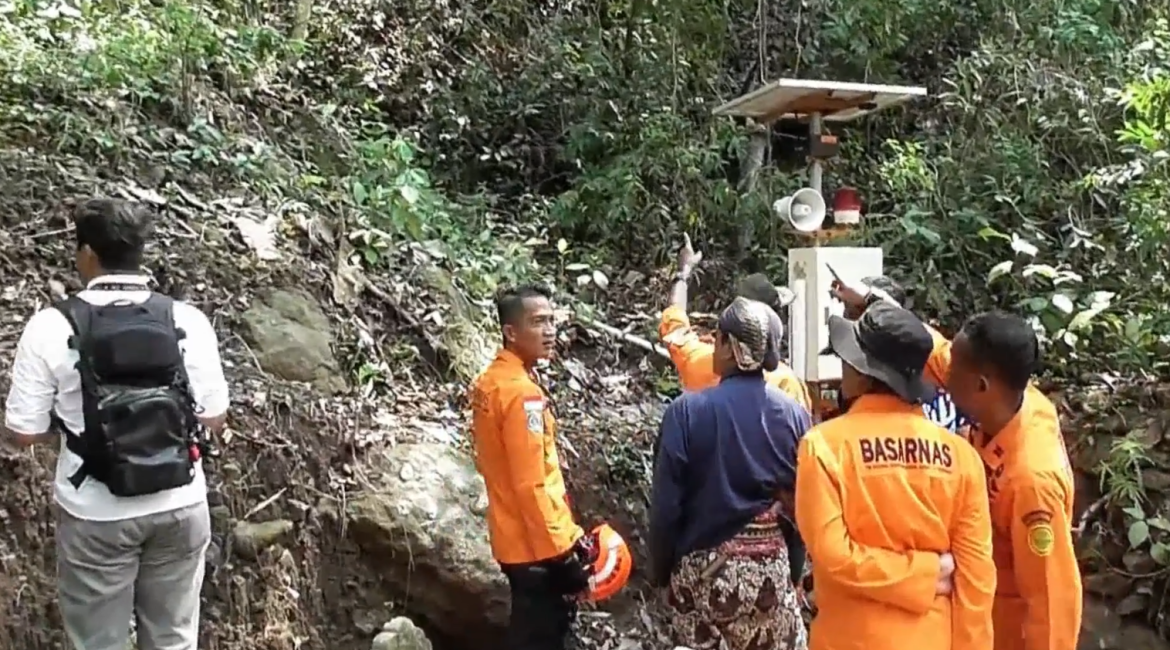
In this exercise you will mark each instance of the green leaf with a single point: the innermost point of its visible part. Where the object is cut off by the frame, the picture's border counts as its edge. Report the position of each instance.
(562, 246)
(999, 270)
(1161, 553)
(1023, 246)
(1083, 319)
(1101, 299)
(1062, 302)
(1043, 270)
(600, 280)
(1159, 522)
(1139, 532)
(359, 193)
(1135, 512)
(987, 232)
(1133, 329)
(409, 194)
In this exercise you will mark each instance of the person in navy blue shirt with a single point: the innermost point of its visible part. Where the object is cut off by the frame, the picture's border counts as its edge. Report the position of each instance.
(721, 533)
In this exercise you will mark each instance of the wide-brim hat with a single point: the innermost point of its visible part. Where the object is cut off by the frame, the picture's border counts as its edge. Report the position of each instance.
(889, 344)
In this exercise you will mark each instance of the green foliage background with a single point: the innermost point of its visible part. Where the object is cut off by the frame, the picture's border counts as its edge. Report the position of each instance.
(488, 131)
(512, 139)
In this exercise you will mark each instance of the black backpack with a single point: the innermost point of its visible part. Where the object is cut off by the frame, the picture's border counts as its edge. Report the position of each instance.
(141, 433)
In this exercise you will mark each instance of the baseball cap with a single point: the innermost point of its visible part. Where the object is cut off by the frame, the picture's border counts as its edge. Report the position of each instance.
(889, 344)
(885, 283)
(758, 287)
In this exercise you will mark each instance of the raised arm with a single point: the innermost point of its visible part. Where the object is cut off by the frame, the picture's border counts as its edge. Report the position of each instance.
(691, 355)
(860, 296)
(938, 366)
(907, 580)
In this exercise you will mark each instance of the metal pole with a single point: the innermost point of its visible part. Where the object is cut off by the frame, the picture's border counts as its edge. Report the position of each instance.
(816, 173)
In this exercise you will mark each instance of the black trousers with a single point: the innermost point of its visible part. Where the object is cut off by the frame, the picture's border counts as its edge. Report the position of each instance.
(542, 617)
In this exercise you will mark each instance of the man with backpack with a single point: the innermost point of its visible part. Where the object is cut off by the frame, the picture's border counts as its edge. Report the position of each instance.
(129, 381)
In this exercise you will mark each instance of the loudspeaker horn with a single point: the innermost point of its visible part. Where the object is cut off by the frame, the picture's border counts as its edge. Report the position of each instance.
(805, 209)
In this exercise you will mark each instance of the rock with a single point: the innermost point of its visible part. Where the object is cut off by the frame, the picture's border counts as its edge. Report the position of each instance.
(221, 516)
(1133, 604)
(1139, 563)
(249, 539)
(416, 525)
(1102, 628)
(1155, 480)
(469, 345)
(291, 339)
(370, 621)
(401, 634)
(1107, 584)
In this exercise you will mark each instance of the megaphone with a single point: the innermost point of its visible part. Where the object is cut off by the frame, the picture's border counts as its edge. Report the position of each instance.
(805, 210)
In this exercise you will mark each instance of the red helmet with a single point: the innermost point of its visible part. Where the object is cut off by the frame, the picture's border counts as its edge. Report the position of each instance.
(612, 564)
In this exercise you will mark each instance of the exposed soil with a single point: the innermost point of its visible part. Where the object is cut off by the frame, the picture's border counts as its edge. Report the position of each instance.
(285, 440)
(291, 453)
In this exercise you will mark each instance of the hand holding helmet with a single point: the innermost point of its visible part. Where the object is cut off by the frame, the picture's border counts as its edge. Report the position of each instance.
(597, 567)
(611, 564)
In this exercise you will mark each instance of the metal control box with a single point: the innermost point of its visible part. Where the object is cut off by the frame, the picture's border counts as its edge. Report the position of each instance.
(810, 279)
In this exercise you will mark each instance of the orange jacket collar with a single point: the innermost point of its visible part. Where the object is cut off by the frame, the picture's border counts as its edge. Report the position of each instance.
(511, 359)
(879, 403)
(1012, 434)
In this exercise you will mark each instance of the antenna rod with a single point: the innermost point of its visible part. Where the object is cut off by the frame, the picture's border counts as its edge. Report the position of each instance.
(816, 173)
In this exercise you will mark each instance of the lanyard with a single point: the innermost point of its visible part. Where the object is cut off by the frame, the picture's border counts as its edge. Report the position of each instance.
(118, 286)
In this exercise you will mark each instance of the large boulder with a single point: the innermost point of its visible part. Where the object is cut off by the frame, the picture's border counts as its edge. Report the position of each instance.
(291, 337)
(421, 524)
(401, 634)
(1102, 628)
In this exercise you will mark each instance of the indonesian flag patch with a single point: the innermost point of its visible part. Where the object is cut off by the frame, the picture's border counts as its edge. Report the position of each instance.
(534, 414)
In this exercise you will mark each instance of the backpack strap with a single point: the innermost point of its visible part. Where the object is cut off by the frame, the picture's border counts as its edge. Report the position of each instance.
(78, 312)
(162, 307)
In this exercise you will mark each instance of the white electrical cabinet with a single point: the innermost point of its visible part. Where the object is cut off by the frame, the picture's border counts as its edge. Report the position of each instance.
(810, 279)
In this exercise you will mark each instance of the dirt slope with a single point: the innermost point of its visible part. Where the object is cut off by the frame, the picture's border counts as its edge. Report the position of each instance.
(294, 452)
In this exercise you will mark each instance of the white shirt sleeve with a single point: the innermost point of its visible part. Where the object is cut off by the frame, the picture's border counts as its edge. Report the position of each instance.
(29, 407)
(204, 366)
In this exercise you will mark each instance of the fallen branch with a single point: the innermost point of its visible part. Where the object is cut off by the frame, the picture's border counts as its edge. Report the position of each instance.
(1091, 514)
(632, 339)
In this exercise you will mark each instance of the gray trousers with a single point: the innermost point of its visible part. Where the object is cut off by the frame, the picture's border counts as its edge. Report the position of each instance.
(149, 568)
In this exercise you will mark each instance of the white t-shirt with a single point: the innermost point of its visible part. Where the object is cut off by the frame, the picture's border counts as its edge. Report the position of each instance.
(44, 380)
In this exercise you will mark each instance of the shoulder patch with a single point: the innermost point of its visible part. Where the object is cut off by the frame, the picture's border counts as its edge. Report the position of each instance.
(1041, 539)
(534, 414)
(1037, 517)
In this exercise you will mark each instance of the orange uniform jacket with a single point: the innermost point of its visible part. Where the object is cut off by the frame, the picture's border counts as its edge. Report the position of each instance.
(1030, 483)
(881, 492)
(693, 356)
(514, 434)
